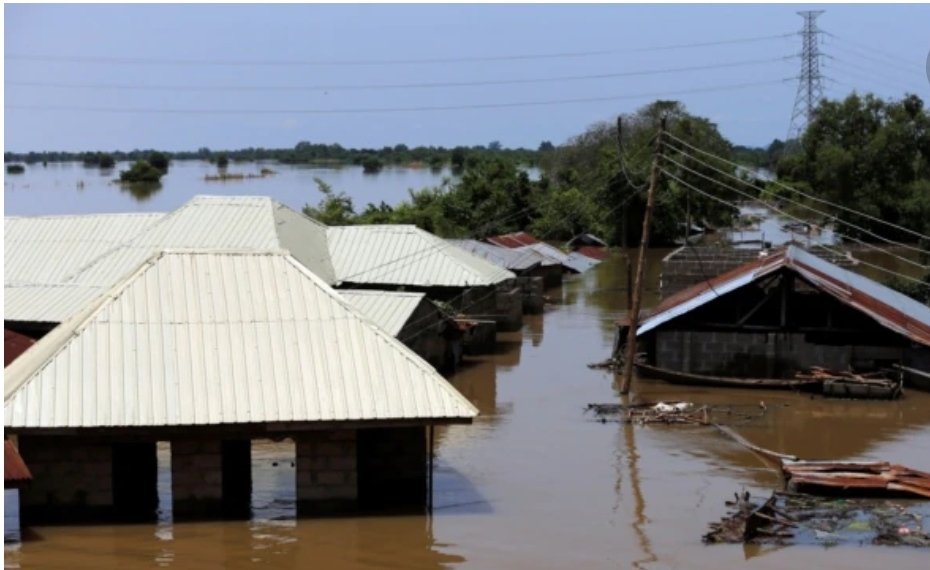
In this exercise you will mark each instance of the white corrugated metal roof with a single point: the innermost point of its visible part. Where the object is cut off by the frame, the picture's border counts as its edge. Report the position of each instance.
(406, 255)
(49, 249)
(198, 338)
(552, 254)
(390, 310)
(225, 222)
(518, 259)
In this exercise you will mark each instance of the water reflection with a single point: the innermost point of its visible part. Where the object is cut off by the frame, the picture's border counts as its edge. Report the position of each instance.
(141, 191)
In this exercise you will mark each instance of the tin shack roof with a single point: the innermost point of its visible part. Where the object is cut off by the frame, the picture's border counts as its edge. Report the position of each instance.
(517, 259)
(390, 310)
(515, 239)
(15, 471)
(891, 309)
(208, 338)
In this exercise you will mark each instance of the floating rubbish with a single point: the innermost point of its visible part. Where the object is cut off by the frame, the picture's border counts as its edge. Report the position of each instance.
(872, 478)
(790, 518)
(673, 413)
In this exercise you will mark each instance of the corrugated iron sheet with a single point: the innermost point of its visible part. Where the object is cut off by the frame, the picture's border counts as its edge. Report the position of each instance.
(197, 338)
(891, 309)
(516, 239)
(14, 468)
(580, 263)
(516, 259)
(52, 294)
(390, 310)
(406, 255)
(14, 344)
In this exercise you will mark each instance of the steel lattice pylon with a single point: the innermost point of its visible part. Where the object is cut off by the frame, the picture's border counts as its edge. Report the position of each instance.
(810, 82)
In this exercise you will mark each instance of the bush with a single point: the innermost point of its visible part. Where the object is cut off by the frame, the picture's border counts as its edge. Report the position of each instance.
(372, 165)
(141, 171)
(15, 169)
(159, 160)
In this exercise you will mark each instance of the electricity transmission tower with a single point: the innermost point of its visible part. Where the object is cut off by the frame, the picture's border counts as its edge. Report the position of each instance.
(810, 82)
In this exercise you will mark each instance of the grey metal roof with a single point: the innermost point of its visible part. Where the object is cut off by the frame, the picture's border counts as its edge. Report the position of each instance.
(889, 308)
(518, 259)
(406, 255)
(390, 310)
(226, 222)
(198, 338)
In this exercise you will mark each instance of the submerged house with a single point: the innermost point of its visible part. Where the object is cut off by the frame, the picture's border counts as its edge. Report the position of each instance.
(406, 258)
(535, 272)
(208, 350)
(782, 313)
(57, 264)
(574, 262)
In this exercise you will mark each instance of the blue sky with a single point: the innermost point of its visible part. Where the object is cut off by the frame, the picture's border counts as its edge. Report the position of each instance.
(878, 48)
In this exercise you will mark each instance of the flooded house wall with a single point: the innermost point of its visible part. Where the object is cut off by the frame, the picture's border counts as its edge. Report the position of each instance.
(533, 299)
(327, 472)
(365, 470)
(758, 354)
(424, 334)
(210, 478)
(551, 275)
(77, 479)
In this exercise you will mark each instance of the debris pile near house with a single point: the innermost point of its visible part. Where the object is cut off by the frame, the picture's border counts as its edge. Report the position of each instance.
(790, 518)
(875, 385)
(673, 413)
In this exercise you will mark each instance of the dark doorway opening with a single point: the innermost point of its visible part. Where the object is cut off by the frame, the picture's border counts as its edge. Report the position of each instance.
(135, 482)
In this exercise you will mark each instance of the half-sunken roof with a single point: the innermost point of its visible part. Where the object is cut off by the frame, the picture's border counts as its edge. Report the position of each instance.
(891, 309)
(406, 255)
(204, 338)
(390, 310)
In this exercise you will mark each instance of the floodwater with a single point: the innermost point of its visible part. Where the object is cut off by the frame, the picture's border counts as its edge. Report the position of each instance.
(72, 188)
(534, 483)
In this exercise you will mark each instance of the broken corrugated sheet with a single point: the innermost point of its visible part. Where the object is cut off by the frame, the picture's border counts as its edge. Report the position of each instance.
(14, 344)
(218, 222)
(398, 255)
(891, 309)
(875, 478)
(390, 310)
(206, 338)
(15, 471)
(517, 260)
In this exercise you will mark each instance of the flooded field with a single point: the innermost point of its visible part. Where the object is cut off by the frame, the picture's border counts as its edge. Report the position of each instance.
(534, 482)
(71, 188)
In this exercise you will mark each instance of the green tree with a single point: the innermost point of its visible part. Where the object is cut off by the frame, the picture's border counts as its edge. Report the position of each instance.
(141, 172)
(333, 209)
(159, 160)
(868, 154)
(106, 161)
(222, 160)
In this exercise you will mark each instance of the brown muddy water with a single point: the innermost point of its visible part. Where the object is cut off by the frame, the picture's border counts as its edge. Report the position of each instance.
(534, 482)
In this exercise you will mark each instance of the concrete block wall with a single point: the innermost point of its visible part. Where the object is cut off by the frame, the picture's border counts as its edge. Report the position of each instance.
(196, 478)
(393, 469)
(327, 471)
(72, 479)
(532, 288)
(771, 355)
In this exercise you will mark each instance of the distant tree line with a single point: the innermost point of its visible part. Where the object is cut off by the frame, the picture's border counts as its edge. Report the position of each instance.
(304, 152)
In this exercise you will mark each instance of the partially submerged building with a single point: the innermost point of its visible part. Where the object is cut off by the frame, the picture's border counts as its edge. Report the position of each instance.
(782, 313)
(406, 258)
(574, 262)
(535, 272)
(208, 350)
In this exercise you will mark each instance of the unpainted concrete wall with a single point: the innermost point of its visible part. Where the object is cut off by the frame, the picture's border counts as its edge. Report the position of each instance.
(761, 355)
(327, 472)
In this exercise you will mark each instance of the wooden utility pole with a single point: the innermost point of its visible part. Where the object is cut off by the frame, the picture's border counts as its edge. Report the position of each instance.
(633, 315)
(623, 225)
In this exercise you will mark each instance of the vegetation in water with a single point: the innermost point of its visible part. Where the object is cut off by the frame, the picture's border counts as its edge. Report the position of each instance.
(141, 172)
(15, 169)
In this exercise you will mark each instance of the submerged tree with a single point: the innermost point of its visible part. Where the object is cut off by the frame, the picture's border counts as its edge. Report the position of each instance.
(141, 171)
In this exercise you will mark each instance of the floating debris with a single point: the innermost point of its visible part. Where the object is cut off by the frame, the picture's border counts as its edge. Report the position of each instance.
(790, 518)
(872, 478)
(673, 413)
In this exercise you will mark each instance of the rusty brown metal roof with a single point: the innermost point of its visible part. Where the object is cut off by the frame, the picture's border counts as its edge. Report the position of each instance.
(891, 309)
(14, 468)
(877, 477)
(14, 344)
(516, 239)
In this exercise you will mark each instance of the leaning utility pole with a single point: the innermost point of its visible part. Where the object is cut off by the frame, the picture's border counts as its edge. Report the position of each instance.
(633, 314)
(810, 82)
(623, 228)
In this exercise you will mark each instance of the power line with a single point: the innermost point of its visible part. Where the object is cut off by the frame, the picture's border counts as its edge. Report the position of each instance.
(796, 218)
(538, 103)
(837, 252)
(806, 195)
(382, 86)
(116, 60)
(871, 72)
(870, 51)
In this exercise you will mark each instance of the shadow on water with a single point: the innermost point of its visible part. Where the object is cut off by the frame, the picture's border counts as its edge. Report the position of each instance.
(141, 191)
